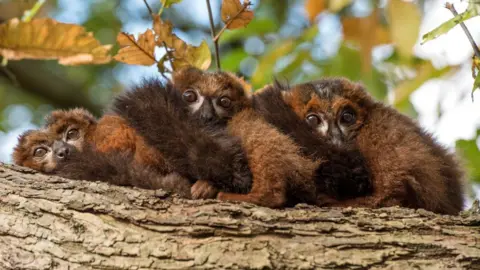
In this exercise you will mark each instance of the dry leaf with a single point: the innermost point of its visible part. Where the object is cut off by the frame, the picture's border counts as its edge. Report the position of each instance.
(404, 19)
(141, 52)
(367, 32)
(48, 39)
(163, 30)
(236, 15)
(313, 8)
(186, 55)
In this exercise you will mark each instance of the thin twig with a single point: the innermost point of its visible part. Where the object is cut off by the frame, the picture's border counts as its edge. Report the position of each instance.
(450, 7)
(164, 76)
(149, 9)
(212, 30)
(10, 76)
(217, 37)
(169, 54)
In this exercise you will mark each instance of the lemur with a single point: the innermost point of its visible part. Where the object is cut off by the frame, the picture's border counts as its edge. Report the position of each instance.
(408, 167)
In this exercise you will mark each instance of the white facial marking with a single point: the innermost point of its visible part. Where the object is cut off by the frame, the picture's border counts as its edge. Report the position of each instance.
(197, 104)
(323, 127)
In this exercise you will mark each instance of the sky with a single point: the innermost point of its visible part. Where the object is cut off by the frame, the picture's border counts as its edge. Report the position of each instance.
(460, 116)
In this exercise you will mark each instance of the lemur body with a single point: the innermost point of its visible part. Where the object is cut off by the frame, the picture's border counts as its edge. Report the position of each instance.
(110, 133)
(280, 174)
(65, 147)
(408, 167)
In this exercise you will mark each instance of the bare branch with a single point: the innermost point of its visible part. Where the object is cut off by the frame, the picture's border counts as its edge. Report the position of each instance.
(450, 7)
(150, 11)
(10, 76)
(169, 54)
(212, 30)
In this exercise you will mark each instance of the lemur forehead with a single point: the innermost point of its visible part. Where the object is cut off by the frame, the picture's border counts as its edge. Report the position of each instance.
(328, 88)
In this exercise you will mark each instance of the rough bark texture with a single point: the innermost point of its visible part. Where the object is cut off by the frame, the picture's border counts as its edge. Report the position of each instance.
(54, 223)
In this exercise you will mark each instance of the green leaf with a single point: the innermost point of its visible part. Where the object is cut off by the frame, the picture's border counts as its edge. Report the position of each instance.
(476, 83)
(470, 154)
(446, 26)
(231, 60)
(425, 72)
(256, 27)
(263, 74)
(169, 3)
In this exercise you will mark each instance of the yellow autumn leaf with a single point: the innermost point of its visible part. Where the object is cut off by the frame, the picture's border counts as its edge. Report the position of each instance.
(236, 14)
(46, 38)
(337, 5)
(367, 32)
(313, 8)
(164, 33)
(136, 52)
(187, 55)
(404, 20)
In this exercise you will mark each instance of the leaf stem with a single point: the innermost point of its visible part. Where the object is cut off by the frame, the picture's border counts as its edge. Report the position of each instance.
(450, 7)
(29, 14)
(161, 9)
(150, 11)
(212, 31)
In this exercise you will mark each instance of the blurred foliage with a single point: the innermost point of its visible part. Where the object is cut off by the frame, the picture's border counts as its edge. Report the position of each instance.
(295, 40)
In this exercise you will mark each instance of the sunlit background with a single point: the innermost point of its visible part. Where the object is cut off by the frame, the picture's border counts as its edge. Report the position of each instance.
(431, 82)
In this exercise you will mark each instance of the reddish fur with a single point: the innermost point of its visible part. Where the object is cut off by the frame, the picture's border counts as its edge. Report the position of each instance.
(110, 133)
(274, 160)
(408, 167)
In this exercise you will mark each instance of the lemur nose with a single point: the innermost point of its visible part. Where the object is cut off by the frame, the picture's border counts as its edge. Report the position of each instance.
(62, 153)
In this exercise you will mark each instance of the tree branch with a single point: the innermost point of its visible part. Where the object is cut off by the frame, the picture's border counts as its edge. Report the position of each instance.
(150, 11)
(212, 31)
(49, 222)
(450, 7)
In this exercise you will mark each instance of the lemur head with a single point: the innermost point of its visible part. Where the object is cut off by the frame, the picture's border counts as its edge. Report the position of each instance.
(212, 96)
(335, 108)
(71, 126)
(38, 149)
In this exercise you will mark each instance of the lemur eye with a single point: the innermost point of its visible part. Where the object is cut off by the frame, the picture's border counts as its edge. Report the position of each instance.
(348, 117)
(225, 102)
(190, 96)
(313, 120)
(40, 152)
(73, 134)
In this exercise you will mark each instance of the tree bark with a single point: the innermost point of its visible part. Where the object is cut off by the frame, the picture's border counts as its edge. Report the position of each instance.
(47, 222)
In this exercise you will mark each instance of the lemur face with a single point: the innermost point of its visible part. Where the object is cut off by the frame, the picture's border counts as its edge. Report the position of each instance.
(38, 149)
(334, 108)
(71, 127)
(214, 96)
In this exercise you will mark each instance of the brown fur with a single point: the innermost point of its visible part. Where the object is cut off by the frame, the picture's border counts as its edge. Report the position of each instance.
(28, 142)
(280, 174)
(409, 168)
(109, 133)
